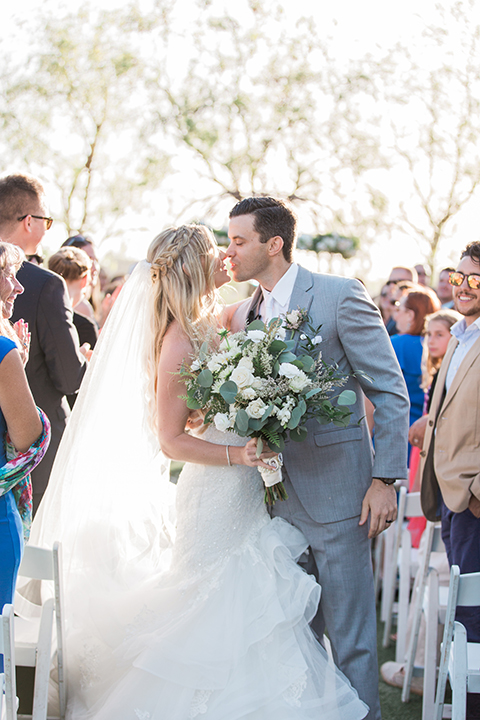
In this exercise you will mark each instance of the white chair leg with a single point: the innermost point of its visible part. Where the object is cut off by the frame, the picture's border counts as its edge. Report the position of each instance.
(459, 680)
(431, 641)
(42, 668)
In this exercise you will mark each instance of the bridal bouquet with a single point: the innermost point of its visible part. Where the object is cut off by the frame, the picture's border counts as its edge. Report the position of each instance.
(259, 384)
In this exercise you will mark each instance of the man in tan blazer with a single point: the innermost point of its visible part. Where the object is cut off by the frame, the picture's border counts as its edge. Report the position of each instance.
(451, 449)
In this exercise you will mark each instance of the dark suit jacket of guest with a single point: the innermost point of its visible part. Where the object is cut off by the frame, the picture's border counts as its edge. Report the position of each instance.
(87, 333)
(55, 367)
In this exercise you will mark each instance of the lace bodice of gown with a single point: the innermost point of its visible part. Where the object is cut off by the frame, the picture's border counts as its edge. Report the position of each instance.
(219, 509)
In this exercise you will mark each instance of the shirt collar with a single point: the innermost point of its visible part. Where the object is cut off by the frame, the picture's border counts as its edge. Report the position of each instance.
(282, 291)
(460, 329)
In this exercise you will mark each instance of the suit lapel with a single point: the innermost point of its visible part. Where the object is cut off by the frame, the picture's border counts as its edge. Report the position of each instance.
(462, 370)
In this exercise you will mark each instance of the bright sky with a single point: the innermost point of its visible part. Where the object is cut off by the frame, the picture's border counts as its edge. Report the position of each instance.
(354, 28)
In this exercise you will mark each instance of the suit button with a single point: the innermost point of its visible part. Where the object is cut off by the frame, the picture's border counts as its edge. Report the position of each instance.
(423, 453)
(430, 422)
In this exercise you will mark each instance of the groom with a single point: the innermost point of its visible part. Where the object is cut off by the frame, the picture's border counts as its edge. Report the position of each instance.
(340, 491)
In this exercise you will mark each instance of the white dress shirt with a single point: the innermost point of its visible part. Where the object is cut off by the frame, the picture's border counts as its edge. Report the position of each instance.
(277, 302)
(466, 336)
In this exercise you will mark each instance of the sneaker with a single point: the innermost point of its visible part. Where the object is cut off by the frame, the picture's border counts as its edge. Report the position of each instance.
(393, 673)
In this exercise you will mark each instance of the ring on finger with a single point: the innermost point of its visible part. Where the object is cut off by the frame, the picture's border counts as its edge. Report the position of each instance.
(388, 521)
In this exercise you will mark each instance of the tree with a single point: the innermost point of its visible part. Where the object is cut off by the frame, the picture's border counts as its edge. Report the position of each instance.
(74, 112)
(429, 95)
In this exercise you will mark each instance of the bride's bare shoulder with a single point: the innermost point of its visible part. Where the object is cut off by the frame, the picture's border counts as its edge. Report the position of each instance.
(176, 346)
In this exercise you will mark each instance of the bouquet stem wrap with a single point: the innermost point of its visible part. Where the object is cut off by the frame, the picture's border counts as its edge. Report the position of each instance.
(272, 479)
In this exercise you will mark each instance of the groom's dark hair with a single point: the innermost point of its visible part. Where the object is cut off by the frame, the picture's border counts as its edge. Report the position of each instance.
(271, 217)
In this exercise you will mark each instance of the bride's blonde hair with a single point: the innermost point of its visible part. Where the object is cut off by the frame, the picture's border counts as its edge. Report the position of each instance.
(183, 263)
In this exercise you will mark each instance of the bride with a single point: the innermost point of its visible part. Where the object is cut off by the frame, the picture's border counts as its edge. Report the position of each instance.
(181, 601)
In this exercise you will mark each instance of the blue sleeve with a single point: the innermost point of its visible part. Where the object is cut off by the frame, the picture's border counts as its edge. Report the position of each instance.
(5, 346)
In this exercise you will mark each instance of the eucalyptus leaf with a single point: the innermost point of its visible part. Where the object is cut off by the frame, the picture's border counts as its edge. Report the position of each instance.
(193, 404)
(259, 447)
(295, 417)
(287, 357)
(229, 391)
(347, 397)
(277, 346)
(255, 424)
(205, 378)
(267, 412)
(242, 421)
(298, 434)
(256, 325)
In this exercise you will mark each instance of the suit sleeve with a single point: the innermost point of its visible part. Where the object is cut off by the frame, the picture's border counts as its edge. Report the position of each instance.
(368, 348)
(58, 338)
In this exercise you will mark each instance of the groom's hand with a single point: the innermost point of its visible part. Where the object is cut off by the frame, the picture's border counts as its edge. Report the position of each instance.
(380, 502)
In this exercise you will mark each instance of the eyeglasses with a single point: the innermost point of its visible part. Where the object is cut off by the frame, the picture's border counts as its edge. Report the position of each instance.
(457, 278)
(48, 220)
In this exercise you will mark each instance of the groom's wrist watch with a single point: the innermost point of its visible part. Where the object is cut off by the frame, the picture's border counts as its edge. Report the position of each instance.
(387, 481)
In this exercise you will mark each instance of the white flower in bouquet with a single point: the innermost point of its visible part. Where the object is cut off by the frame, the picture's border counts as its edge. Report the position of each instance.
(317, 340)
(299, 382)
(288, 370)
(195, 365)
(215, 363)
(248, 393)
(280, 334)
(256, 408)
(242, 376)
(222, 422)
(284, 415)
(256, 335)
(246, 362)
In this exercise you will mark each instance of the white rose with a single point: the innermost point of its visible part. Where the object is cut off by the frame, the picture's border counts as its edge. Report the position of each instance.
(246, 362)
(292, 317)
(299, 382)
(257, 383)
(242, 377)
(249, 393)
(255, 335)
(256, 408)
(288, 370)
(222, 421)
(214, 364)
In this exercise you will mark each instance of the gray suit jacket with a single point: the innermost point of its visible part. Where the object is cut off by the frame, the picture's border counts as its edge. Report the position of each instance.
(332, 470)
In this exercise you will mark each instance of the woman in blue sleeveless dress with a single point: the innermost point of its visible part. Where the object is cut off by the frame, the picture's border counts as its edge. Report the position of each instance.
(18, 415)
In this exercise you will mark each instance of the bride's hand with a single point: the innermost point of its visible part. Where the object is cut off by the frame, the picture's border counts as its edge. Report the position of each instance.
(249, 455)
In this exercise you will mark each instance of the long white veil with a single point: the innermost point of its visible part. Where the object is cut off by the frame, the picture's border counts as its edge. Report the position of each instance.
(109, 500)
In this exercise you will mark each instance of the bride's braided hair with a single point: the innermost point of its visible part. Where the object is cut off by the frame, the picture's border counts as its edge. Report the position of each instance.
(182, 267)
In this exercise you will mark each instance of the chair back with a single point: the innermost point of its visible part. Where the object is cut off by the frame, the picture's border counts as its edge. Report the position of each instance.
(37, 563)
(8, 652)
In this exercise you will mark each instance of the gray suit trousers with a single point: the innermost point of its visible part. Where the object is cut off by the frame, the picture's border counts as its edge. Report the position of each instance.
(340, 559)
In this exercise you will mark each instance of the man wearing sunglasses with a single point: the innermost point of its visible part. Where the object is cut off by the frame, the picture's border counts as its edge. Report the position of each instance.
(56, 364)
(451, 450)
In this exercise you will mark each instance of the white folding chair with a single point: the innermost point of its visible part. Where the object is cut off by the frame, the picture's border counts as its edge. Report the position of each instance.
(429, 598)
(403, 565)
(34, 637)
(8, 695)
(459, 659)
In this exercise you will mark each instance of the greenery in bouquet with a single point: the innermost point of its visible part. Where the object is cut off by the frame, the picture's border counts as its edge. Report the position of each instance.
(257, 383)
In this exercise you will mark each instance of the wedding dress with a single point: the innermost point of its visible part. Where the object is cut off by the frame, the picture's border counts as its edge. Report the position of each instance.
(181, 602)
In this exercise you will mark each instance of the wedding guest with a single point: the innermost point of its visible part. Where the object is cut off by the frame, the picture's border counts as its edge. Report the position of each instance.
(18, 417)
(410, 315)
(437, 336)
(74, 266)
(88, 306)
(451, 451)
(444, 289)
(423, 274)
(56, 364)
